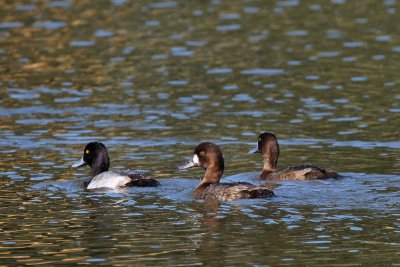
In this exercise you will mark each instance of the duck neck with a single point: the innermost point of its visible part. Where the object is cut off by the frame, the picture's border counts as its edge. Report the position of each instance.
(212, 176)
(270, 154)
(269, 163)
(100, 165)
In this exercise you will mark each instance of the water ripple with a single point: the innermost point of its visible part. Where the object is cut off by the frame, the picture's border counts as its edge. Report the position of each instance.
(297, 33)
(10, 25)
(266, 72)
(50, 25)
(230, 27)
(82, 43)
(219, 71)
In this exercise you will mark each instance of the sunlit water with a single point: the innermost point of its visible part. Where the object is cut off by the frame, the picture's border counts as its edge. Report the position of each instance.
(153, 79)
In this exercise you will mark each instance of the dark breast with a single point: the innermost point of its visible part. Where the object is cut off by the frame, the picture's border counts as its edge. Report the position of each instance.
(301, 172)
(234, 191)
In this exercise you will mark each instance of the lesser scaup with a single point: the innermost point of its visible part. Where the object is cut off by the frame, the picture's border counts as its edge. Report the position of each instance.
(209, 156)
(268, 146)
(95, 155)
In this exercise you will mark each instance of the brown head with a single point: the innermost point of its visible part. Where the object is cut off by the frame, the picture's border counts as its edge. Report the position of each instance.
(268, 146)
(209, 156)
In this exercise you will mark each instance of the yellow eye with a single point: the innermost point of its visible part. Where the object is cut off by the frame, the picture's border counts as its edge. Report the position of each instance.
(202, 153)
(87, 151)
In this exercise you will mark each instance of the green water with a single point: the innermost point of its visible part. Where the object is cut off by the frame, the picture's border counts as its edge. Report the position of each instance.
(153, 79)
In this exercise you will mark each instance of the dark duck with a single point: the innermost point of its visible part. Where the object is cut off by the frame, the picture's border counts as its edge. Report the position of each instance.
(95, 155)
(209, 156)
(268, 146)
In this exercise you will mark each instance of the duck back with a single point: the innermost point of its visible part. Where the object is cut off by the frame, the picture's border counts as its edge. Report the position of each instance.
(302, 172)
(234, 191)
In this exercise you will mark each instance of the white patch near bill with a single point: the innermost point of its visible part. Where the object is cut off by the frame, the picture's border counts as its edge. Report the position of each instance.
(196, 159)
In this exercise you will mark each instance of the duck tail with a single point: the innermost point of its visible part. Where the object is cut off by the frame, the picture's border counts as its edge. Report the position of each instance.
(332, 174)
(260, 192)
(143, 182)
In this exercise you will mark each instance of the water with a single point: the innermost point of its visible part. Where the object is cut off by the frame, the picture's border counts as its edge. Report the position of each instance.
(153, 79)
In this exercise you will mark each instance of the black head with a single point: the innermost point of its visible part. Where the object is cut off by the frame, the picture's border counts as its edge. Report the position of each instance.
(208, 156)
(95, 155)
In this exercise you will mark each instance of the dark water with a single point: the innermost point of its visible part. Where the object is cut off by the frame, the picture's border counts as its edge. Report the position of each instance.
(153, 79)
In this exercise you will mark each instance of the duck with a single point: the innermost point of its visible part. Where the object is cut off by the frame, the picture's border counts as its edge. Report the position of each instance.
(95, 155)
(268, 146)
(209, 156)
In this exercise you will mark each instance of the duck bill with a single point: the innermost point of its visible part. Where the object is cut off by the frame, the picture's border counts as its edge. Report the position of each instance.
(255, 150)
(187, 165)
(79, 163)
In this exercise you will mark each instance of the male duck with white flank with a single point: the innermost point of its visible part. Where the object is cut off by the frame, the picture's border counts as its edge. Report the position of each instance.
(268, 146)
(95, 155)
(209, 156)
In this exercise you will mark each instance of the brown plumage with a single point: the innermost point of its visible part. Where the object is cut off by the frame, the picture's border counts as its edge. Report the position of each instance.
(209, 156)
(268, 146)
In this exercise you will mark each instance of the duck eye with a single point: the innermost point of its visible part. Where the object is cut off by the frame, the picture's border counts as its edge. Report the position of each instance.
(202, 153)
(87, 151)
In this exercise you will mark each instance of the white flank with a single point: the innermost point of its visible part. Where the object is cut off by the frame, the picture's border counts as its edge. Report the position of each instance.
(109, 180)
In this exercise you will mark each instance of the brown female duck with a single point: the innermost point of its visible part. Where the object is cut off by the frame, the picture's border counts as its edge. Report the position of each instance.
(209, 156)
(268, 146)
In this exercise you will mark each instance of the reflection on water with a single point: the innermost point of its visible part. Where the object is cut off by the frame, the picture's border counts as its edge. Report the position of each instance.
(153, 79)
(144, 225)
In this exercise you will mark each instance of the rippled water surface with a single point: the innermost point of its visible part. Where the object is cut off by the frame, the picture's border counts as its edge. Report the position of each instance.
(151, 79)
